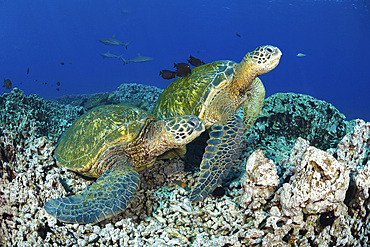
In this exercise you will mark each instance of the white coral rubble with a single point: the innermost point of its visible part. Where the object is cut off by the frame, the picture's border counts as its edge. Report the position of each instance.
(351, 150)
(319, 185)
(260, 179)
(161, 215)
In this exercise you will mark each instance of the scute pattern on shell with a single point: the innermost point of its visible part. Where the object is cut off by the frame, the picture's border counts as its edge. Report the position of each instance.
(101, 128)
(187, 95)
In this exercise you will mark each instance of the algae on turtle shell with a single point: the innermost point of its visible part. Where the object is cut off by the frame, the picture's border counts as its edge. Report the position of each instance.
(214, 92)
(113, 143)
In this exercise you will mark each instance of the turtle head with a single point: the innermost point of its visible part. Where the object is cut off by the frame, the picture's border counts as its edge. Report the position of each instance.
(183, 129)
(262, 59)
(255, 63)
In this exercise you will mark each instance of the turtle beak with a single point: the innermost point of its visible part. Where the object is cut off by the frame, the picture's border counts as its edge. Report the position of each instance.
(276, 55)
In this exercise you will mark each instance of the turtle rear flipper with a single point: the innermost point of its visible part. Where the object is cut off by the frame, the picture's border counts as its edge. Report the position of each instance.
(223, 147)
(108, 196)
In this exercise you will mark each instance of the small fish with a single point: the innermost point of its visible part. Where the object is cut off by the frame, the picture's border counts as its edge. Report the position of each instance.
(237, 35)
(58, 83)
(7, 84)
(70, 62)
(182, 69)
(62, 63)
(181, 184)
(167, 74)
(58, 89)
(35, 80)
(195, 61)
(114, 42)
(181, 66)
(138, 59)
(28, 71)
(301, 55)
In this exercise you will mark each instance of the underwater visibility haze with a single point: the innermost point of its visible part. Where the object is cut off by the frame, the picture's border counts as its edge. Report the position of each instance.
(52, 48)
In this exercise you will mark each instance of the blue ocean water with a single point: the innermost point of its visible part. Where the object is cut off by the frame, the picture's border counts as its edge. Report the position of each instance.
(42, 34)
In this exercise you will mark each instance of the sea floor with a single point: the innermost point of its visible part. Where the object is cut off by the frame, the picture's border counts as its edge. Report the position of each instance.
(302, 180)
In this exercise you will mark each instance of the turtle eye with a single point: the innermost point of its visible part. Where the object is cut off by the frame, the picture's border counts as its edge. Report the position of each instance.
(269, 49)
(191, 123)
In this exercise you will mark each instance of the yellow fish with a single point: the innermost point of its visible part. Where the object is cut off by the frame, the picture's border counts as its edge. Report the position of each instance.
(181, 184)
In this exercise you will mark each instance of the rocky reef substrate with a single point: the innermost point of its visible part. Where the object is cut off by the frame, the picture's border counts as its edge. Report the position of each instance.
(130, 93)
(305, 179)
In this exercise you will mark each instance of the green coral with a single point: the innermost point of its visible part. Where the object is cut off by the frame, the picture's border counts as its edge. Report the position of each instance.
(287, 116)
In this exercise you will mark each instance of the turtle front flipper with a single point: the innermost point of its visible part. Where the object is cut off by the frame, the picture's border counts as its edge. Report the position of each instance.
(253, 104)
(108, 196)
(223, 147)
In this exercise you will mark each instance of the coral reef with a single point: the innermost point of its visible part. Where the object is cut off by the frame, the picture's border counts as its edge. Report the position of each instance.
(17, 111)
(298, 195)
(287, 116)
(319, 183)
(96, 100)
(260, 180)
(73, 99)
(354, 147)
(135, 94)
(138, 95)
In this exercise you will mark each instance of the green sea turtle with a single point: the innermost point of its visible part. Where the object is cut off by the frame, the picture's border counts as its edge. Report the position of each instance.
(215, 92)
(113, 143)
